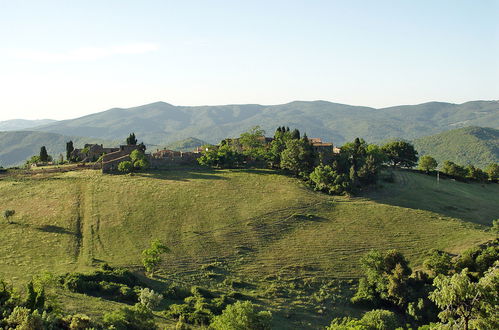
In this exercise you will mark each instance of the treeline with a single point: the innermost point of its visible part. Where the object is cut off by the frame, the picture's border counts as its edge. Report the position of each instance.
(450, 293)
(357, 164)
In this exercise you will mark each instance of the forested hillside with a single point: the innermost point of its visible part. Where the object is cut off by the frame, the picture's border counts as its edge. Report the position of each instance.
(477, 146)
(161, 123)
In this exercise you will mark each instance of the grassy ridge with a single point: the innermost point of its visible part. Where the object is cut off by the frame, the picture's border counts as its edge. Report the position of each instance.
(260, 220)
(267, 233)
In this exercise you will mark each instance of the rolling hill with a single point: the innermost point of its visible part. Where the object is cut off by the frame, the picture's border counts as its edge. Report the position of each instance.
(188, 144)
(161, 123)
(17, 146)
(478, 146)
(261, 231)
(22, 124)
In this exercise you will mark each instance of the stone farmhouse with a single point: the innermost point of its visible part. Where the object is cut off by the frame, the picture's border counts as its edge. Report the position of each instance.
(91, 152)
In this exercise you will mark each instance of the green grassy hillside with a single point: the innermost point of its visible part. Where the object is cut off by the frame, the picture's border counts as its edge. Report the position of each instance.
(478, 146)
(257, 227)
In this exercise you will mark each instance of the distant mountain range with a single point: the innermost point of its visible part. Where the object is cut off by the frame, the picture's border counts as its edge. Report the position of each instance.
(23, 124)
(470, 145)
(160, 124)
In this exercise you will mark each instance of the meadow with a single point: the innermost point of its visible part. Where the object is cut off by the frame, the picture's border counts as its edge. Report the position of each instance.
(263, 234)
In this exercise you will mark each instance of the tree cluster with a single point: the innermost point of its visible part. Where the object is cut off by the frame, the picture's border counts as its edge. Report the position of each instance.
(460, 292)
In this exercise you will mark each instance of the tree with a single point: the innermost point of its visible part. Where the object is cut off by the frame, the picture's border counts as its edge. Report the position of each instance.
(69, 149)
(295, 134)
(294, 157)
(452, 169)
(463, 302)
(242, 315)
(139, 160)
(375, 319)
(492, 171)
(252, 143)
(125, 166)
(221, 157)
(7, 214)
(151, 257)
(326, 179)
(385, 278)
(400, 153)
(438, 263)
(475, 173)
(44, 157)
(131, 139)
(427, 163)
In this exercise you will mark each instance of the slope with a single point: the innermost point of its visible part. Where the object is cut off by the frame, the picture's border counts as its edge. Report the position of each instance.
(265, 221)
(478, 146)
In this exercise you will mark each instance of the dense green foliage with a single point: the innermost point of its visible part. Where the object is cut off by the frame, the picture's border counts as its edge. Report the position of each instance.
(125, 166)
(242, 316)
(463, 291)
(477, 146)
(69, 150)
(139, 160)
(400, 153)
(427, 163)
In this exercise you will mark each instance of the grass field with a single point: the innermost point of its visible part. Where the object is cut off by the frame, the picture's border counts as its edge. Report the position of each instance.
(256, 227)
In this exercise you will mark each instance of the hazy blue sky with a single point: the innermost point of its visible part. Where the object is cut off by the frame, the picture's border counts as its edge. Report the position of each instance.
(64, 59)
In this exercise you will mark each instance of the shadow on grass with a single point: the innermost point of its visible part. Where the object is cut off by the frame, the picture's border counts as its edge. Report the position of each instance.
(470, 202)
(55, 229)
(201, 173)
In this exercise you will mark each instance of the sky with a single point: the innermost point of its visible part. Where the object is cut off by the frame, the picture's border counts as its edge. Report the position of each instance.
(66, 59)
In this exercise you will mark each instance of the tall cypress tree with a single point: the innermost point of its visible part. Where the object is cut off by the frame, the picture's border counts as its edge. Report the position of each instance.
(44, 156)
(69, 150)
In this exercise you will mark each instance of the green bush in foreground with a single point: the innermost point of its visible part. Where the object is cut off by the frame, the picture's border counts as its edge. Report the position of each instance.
(242, 315)
(376, 319)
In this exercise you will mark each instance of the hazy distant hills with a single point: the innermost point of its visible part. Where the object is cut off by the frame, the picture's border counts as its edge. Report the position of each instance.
(22, 124)
(16, 147)
(162, 123)
(470, 145)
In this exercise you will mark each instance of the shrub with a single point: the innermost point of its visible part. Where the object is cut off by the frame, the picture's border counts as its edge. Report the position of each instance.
(7, 214)
(138, 317)
(149, 298)
(125, 166)
(242, 316)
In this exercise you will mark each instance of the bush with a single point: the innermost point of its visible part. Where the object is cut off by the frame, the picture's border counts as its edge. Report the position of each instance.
(242, 316)
(7, 214)
(149, 298)
(138, 317)
(125, 166)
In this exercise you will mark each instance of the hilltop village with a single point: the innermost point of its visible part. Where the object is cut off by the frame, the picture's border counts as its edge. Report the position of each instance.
(108, 158)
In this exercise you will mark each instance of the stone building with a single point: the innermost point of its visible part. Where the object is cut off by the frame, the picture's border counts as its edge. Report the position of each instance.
(91, 152)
